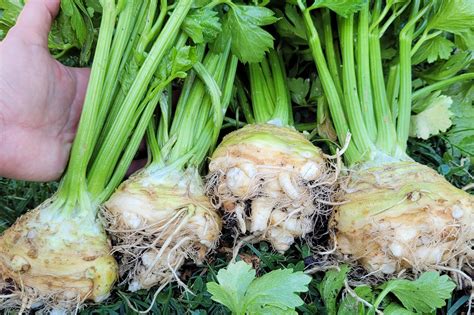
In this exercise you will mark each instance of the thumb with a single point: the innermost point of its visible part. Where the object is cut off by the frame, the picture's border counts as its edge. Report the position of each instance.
(34, 21)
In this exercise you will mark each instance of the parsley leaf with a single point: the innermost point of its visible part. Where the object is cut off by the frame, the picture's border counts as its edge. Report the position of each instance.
(273, 293)
(422, 295)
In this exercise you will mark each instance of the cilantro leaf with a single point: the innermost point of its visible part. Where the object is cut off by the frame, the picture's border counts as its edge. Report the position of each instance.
(331, 286)
(433, 119)
(273, 293)
(342, 7)
(436, 48)
(422, 295)
(202, 25)
(249, 42)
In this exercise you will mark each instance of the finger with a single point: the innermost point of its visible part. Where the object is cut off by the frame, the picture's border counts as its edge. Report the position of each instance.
(34, 21)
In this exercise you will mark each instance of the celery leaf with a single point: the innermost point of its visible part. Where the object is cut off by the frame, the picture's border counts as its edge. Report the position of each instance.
(249, 40)
(434, 49)
(273, 293)
(341, 7)
(331, 286)
(461, 135)
(349, 305)
(9, 10)
(278, 288)
(202, 25)
(432, 120)
(455, 16)
(424, 294)
(397, 309)
(291, 25)
(299, 88)
(234, 282)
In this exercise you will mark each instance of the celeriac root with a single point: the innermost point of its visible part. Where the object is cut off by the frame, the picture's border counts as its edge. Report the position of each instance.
(403, 216)
(156, 224)
(271, 182)
(51, 262)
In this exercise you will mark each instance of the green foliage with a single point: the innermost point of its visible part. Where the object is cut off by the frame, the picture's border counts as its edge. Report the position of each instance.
(341, 7)
(455, 16)
(436, 48)
(422, 295)
(74, 27)
(242, 25)
(272, 293)
(202, 25)
(433, 116)
(461, 136)
(331, 286)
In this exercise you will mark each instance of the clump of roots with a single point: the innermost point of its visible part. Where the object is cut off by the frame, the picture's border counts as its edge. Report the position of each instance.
(271, 182)
(49, 262)
(23, 299)
(156, 225)
(404, 218)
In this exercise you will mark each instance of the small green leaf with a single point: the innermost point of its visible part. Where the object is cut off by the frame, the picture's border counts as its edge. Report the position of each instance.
(331, 286)
(436, 48)
(342, 7)
(433, 119)
(278, 288)
(462, 134)
(299, 88)
(233, 284)
(423, 295)
(454, 16)
(202, 25)
(249, 40)
(273, 293)
(396, 309)
(291, 25)
(349, 305)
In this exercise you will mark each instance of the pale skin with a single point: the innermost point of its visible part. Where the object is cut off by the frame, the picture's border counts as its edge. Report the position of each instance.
(40, 99)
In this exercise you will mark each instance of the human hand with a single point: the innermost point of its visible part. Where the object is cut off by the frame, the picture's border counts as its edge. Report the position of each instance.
(40, 99)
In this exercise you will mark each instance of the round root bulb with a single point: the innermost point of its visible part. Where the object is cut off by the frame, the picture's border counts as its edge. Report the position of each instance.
(158, 221)
(54, 261)
(403, 216)
(264, 169)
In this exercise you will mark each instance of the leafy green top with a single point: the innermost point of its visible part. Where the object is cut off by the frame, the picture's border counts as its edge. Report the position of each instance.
(272, 293)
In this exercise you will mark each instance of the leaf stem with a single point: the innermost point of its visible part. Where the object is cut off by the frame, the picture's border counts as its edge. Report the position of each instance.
(441, 85)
